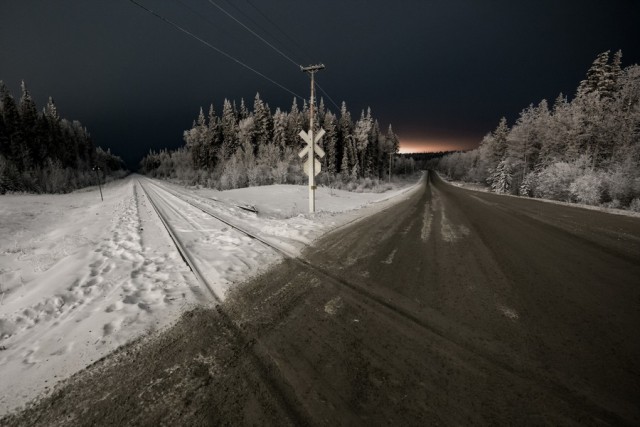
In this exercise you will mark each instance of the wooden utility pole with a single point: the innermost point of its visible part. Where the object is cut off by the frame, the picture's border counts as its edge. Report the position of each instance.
(96, 169)
(312, 165)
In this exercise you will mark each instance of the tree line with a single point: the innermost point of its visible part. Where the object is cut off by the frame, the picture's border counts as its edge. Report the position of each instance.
(43, 153)
(246, 147)
(586, 150)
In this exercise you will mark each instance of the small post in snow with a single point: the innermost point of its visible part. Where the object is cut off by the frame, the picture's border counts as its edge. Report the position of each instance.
(96, 169)
(312, 166)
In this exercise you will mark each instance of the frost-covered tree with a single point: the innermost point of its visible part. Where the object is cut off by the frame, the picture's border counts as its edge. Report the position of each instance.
(4, 138)
(374, 159)
(30, 123)
(294, 124)
(361, 134)
(304, 114)
(525, 140)
(16, 147)
(331, 142)
(214, 137)
(53, 131)
(246, 131)
(502, 178)
(561, 132)
(320, 112)
(40, 152)
(280, 129)
(585, 150)
(351, 151)
(344, 165)
(628, 104)
(263, 125)
(499, 142)
(393, 141)
(597, 76)
(195, 140)
(345, 128)
(243, 112)
(229, 131)
(390, 146)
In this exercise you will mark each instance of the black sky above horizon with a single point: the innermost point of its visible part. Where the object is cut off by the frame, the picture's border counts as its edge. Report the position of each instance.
(441, 72)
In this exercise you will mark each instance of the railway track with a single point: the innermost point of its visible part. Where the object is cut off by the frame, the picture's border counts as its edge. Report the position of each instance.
(274, 377)
(226, 221)
(264, 363)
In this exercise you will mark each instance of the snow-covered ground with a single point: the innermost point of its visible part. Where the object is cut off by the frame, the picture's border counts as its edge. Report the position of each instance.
(80, 277)
(483, 188)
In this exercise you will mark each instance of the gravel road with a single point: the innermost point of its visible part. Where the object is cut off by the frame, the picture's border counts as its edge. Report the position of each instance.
(451, 307)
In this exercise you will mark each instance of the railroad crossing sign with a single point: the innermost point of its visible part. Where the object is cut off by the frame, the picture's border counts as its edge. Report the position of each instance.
(306, 136)
(312, 166)
(312, 148)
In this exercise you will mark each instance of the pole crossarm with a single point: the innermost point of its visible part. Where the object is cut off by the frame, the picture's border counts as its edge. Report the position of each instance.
(312, 68)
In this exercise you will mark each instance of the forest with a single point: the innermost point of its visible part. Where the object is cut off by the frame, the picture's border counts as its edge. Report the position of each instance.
(40, 152)
(248, 147)
(586, 150)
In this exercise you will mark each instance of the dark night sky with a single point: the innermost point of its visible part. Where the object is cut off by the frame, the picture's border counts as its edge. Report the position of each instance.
(442, 72)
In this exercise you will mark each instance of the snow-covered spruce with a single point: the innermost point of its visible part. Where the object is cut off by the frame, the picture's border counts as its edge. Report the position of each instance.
(243, 148)
(44, 153)
(586, 150)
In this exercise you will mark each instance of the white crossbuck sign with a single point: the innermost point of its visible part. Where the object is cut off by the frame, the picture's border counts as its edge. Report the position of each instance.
(306, 136)
(312, 166)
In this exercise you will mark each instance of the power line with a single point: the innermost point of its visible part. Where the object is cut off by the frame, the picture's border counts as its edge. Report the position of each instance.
(269, 44)
(208, 21)
(209, 45)
(254, 33)
(280, 44)
(292, 40)
(327, 95)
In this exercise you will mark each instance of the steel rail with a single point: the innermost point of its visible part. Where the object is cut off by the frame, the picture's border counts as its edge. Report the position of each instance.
(265, 364)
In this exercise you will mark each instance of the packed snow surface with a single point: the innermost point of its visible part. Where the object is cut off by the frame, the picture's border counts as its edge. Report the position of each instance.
(79, 277)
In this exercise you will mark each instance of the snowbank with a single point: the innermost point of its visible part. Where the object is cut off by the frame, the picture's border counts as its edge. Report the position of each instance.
(80, 277)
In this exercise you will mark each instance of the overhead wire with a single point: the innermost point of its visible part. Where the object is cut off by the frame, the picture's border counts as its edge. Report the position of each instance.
(276, 26)
(327, 95)
(269, 44)
(208, 21)
(253, 32)
(295, 54)
(220, 51)
(292, 40)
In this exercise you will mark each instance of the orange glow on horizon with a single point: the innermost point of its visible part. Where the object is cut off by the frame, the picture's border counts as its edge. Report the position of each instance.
(434, 145)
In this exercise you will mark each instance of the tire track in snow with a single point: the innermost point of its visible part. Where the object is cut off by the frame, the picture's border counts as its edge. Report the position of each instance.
(449, 232)
(427, 219)
(387, 307)
(380, 301)
(389, 259)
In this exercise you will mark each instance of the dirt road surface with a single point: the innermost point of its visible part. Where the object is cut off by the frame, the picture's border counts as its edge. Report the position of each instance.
(451, 307)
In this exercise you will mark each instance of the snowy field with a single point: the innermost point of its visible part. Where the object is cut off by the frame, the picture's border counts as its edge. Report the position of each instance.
(80, 277)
